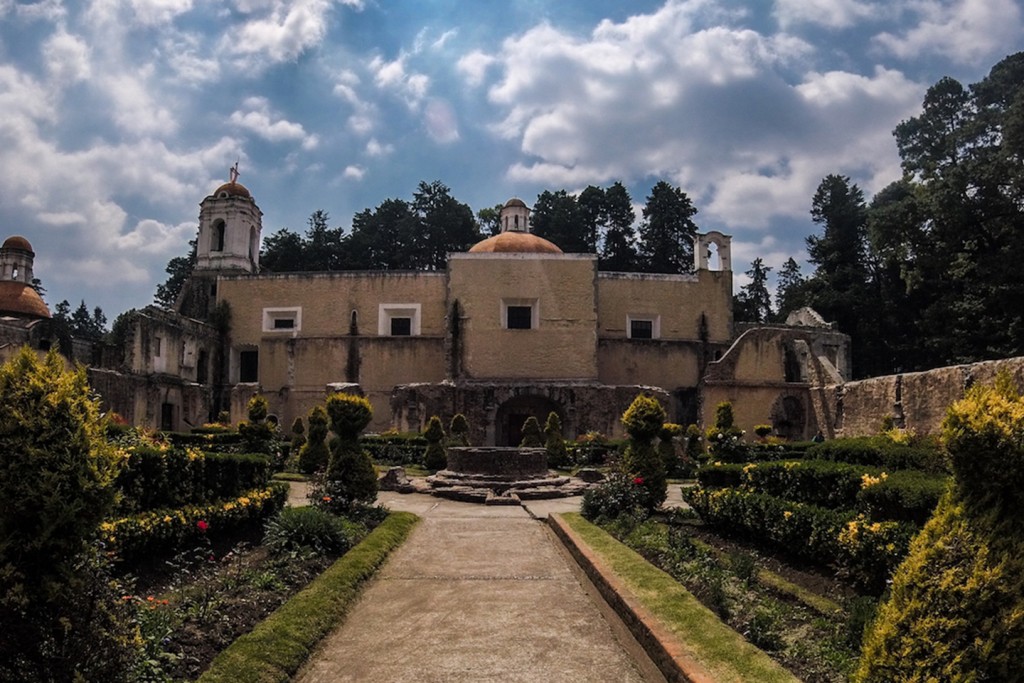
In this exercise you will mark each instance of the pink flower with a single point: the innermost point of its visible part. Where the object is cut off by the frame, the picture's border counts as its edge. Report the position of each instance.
(638, 480)
(203, 526)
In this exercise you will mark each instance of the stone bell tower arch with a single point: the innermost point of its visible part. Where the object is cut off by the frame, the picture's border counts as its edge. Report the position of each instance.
(230, 226)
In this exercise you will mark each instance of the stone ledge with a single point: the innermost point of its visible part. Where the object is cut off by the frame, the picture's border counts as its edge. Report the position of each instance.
(664, 649)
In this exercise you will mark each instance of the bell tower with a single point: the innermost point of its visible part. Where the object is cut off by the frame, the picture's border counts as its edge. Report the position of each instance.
(230, 225)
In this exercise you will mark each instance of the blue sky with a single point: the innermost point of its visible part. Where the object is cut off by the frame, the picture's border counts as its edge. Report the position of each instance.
(117, 117)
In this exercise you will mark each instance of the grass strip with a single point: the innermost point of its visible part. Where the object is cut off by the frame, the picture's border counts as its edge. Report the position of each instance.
(280, 644)
(722, 652)
(779, 584)
(290, 476)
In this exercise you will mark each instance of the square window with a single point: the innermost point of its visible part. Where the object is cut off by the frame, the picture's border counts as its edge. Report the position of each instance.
(282, 319)
(641, 329)
(519, 317)
(401, 327)
(284, 323)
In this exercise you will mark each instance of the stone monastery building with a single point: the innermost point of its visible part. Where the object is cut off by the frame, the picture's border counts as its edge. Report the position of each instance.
(514, 327)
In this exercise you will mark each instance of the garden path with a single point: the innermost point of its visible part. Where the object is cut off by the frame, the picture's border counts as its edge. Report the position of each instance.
(477, 593)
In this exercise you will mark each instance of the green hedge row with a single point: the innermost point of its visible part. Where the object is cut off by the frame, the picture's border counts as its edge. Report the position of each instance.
(395, 449)
(163, 532)
(902, 495)
(156, 477)
(866, 552)
(216, 440)
(880, 452)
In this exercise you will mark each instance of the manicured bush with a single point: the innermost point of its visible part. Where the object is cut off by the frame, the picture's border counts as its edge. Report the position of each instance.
(298, 441)
(392, 448)
(905, 495)
(307, 529)
(954, 612)
(314, 453)
(719, 475)
(532, 437)
(58, 608)
(436, 456)
(558, 456)
(677, 464)
(880, 452)
(349, 478)
(643, 421)
(258, 435)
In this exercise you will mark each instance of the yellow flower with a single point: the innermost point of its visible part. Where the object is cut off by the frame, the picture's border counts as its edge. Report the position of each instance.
(787, 514)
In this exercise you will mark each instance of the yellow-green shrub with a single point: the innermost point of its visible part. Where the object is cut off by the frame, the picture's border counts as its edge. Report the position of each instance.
(956, 610)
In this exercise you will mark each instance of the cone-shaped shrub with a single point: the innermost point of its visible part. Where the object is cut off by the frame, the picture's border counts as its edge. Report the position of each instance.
(956, 610)
(314, 453)
(667, 447)
(643, 421)
(558, 455)
(257, 434)
(531, 434)
(435, 458)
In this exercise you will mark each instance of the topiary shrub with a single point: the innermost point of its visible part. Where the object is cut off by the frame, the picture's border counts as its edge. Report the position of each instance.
(558, 455)
(258, 433)
(458, 431)
(349, 479)
(436, 456)
(61, 616)
(308, 530)
(298, 441)
(643, 421)
(313, 454)
(954, 613)
(676, 464)
(531, 434)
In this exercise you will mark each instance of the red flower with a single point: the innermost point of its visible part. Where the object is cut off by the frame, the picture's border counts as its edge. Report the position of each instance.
(327, 499)
(638, 480)
(203, 526)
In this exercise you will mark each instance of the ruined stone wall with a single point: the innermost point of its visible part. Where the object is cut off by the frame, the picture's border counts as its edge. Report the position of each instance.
(562, 344)
(678, 301)
(139, 399)
(916, 400)
(653, 362)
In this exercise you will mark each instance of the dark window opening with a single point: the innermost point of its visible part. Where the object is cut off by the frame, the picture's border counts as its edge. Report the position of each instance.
(284, 323)
(641, 329)
(167, 417)
(520, 317)
(202, 367)
(248, 366)
(401, 327)
(217, 243)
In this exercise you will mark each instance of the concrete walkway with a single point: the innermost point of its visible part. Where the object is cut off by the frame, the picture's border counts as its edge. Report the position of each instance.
(477, 593)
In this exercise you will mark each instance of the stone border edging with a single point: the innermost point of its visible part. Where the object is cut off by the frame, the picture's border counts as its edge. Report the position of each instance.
(665, 650)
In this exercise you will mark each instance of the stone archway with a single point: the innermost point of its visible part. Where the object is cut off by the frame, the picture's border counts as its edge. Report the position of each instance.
(514, 412)
(789, 418)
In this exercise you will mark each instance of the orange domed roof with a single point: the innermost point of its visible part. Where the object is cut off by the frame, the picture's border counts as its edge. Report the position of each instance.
(515, 201)
(232, 189)
(17, 298)
(513, 243)
(17, 242)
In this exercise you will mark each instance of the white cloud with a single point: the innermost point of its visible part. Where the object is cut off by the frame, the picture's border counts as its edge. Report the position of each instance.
(354, 173)
(375, 149)
(393, 77)
(257, 117)
(46, 10)
(442, 124)
(835, 14)
(286, 31)
(152, 12)
(474, 66)
(967, 31)
(67, 58)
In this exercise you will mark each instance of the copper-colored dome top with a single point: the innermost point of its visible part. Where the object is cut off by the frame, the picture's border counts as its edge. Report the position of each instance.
(232, 189)
(513, 243)
(17, 298)
(515, 201)
(17, 242)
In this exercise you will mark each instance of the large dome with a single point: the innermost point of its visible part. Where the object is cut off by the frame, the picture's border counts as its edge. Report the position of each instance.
(515, 243)
(17, 298)
(17, 242)
(232, 189)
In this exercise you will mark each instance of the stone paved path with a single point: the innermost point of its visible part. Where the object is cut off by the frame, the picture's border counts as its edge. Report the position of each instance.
(476, 593)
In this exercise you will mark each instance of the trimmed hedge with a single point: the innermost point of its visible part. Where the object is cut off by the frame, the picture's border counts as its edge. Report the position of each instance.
(395, 449)
(160, 532)
(867, 552)
(221, 441)
(902, 495)
(880, 452)
(155, 478)
(277, 647)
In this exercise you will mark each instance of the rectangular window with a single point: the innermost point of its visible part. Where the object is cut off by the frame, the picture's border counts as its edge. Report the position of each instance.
(519, 317)
(401, 327)
(641, 329)
(157, 347)
(249, 365)
(282, 319)
(643, 326)
(398, 320)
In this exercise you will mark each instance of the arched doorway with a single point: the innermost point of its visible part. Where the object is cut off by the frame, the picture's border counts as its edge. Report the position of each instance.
(514, 412)
(789, 418)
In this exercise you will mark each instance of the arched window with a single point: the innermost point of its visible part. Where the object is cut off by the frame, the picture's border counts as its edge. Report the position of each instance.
(217, 237)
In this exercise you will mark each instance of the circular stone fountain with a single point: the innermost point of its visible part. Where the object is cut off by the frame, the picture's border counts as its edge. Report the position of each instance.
(500, 476)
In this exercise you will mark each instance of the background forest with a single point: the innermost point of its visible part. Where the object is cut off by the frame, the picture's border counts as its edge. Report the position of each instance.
(924, 274)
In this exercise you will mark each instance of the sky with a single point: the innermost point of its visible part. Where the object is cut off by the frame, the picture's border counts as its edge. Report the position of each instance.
(117, 117)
